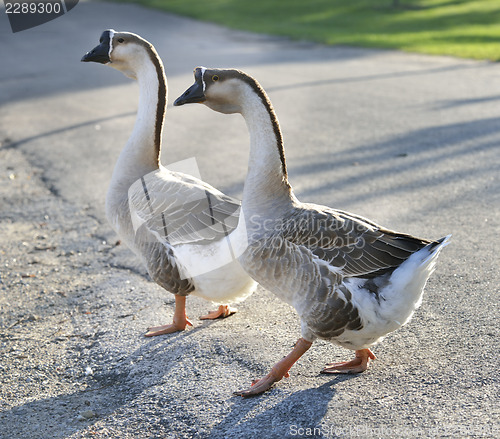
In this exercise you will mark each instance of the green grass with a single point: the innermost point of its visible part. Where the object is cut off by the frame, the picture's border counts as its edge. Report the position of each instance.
(462, 28)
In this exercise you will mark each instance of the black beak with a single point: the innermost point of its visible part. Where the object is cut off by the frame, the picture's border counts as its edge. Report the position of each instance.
(195, 93)
(100, 53)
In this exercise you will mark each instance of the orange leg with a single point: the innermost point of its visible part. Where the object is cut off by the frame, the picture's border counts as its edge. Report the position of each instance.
(180, 320)
(359, 364)
(279, 370)
(223, 312)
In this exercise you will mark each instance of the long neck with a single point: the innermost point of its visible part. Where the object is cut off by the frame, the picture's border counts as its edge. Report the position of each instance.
(266, 186)
(141, 153)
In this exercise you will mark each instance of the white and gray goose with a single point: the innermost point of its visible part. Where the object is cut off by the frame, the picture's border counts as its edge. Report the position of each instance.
(350, 280)
(179, 226)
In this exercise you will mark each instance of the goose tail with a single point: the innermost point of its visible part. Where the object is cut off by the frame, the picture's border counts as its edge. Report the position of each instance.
(404, 291)
(434, 248)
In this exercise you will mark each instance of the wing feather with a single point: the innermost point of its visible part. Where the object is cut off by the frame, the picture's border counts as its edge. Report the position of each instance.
(353, 245)
(179, 209)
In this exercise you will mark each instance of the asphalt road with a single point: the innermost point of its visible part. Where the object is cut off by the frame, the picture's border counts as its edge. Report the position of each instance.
(409, 141)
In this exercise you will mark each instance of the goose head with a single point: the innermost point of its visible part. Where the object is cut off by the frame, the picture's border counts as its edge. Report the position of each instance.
(223, 90)
(124, 51)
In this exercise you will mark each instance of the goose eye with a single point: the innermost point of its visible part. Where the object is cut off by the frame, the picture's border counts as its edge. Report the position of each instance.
(215, 78)
(121, 40)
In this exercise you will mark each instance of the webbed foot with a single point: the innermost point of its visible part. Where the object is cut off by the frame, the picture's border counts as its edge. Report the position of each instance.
(358, 365)
(223, 312)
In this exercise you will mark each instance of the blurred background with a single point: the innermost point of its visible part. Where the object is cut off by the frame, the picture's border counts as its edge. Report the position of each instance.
(463, 28)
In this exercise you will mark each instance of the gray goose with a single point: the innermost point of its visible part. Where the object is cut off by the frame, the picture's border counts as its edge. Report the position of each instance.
(179, 226)
(350, 280)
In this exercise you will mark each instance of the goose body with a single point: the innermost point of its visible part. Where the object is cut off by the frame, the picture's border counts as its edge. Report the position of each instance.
(350, 280)
(178, 225)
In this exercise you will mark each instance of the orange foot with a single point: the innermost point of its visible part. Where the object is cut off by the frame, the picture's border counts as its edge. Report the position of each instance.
(180, 320)
(359, 364)
(260, 386)
(223, 312)
(279, 371)
(167, 329)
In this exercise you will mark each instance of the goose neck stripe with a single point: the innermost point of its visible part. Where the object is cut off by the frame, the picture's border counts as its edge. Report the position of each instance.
(203, 70)
(274, 120)
(111, 35)
(162, 103)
